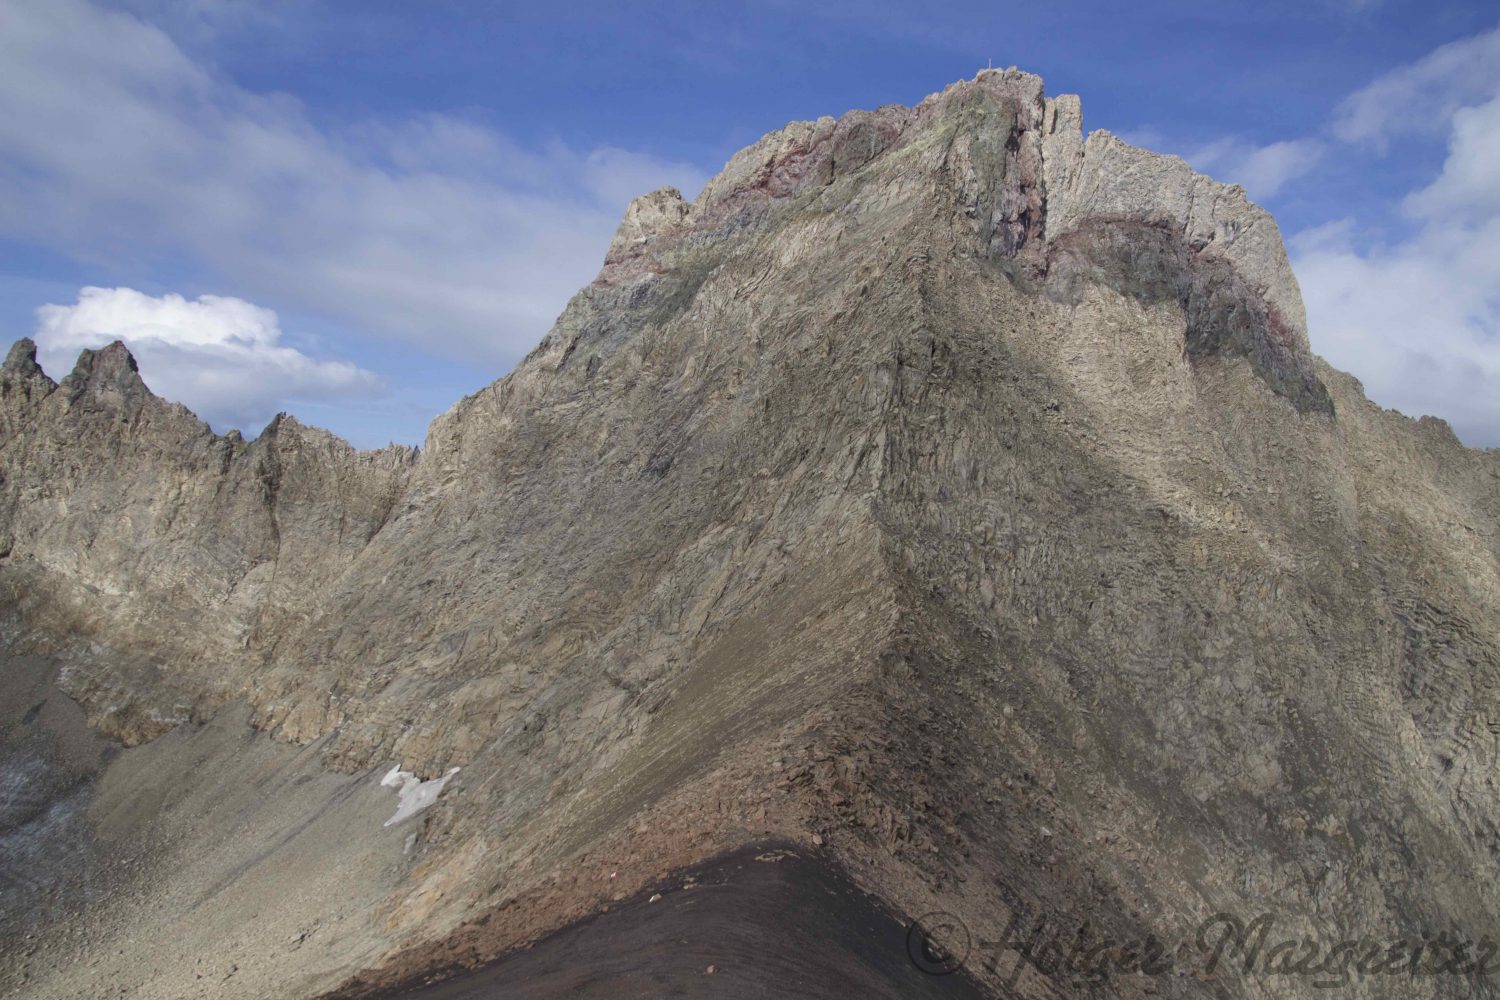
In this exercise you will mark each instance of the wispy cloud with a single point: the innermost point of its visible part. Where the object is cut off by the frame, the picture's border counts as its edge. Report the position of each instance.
(114, 143)
(1419, 99)
(222, 357)
(208, 19)
(1262, 170)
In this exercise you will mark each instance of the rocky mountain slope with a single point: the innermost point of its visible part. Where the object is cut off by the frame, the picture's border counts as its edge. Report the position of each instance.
(941, 489)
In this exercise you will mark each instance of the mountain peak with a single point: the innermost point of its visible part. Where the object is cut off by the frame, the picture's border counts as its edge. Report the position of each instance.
(21, 359)
(1022, 165)
(1014, 170)
(110, 365)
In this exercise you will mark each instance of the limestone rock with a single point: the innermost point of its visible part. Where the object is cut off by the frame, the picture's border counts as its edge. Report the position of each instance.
(649, 219)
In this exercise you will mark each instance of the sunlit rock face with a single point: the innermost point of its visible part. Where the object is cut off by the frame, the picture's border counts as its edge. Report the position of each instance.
(942, 489)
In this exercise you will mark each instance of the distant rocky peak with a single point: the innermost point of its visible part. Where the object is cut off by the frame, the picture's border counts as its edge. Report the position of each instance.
(111, 366)
(20, 362)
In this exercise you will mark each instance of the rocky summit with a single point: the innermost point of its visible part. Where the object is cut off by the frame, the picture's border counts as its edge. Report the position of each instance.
(940, 522)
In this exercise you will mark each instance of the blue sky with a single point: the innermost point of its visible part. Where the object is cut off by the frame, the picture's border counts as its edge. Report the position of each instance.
(358, 212)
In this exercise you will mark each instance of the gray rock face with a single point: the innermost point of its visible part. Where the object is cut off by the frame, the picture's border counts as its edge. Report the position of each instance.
(649, 219)
(940, 484)
(20, 362)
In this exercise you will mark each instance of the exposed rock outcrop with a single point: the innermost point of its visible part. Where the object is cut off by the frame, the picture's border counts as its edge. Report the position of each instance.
(940, 483)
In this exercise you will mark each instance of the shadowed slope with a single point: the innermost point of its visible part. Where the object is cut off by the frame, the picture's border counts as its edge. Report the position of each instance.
(762, 921)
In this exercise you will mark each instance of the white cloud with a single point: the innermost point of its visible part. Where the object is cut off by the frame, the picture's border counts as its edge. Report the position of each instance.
(115, 144)
(1261, 170)
(1146, 137)
(220, 356)
(1418, 321)
(1419, 99)
(1470, 182)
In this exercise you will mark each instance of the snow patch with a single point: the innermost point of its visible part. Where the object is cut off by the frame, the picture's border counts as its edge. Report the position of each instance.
(414, 795)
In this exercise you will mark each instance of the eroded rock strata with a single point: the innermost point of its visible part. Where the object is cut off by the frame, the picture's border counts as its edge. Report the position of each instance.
(941, 486)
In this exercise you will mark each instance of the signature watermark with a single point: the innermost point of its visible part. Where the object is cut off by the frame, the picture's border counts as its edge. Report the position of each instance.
(940, 944)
